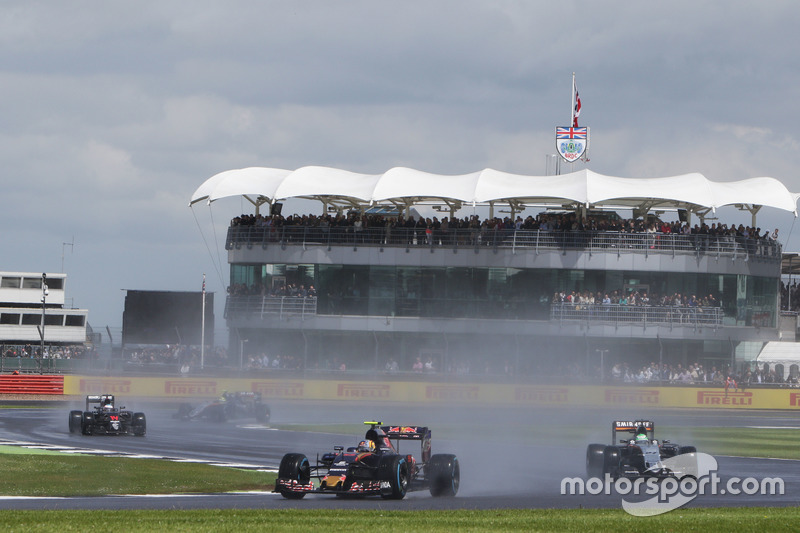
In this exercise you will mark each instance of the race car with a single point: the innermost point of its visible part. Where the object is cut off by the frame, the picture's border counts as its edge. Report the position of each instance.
(229, 406)
(376, 467)
(102, 417)
(639, 454)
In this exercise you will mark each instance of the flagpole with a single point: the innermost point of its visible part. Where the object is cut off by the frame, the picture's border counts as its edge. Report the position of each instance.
(203, 327)
(572, 107)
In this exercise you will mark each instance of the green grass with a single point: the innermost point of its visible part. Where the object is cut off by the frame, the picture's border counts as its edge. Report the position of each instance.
(241, 521)
(746, 442)
(81, 475)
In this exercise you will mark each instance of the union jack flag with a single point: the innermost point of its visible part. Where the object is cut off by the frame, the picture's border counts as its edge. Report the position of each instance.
(571, 133)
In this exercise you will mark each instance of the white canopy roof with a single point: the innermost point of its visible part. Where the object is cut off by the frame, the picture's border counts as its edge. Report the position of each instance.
(406, 186)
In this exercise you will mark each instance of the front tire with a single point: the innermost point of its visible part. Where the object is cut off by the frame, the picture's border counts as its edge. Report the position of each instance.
(444, 474)
(394, 470)
(686, 449)
(294, 467)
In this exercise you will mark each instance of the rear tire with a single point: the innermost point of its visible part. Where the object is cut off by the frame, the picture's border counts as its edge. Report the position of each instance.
(87, 423)
(595, 460)
(294, 467)
(262, 413)
(611, 461)
(75, 418)
(394, 469)
(444, 474)
(139, 424)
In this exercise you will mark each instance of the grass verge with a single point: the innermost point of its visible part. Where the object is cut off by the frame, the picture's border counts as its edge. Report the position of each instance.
(80, 475)
(242, 521)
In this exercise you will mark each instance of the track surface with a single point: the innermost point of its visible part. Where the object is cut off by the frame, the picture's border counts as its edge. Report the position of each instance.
(499, 467)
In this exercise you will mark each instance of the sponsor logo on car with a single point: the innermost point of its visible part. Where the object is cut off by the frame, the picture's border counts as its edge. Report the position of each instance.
(705, 397)
(190, 387)
(541, 394)
(347, 390)
(452, 392)
(637, 396)
(110, 386)
(278, 390)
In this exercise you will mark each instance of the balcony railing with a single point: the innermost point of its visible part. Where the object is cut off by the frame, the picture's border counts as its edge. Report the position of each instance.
(630, 314)
(586, 241)
(258, 306)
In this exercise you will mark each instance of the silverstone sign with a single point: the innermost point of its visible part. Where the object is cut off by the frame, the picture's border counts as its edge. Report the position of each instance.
(572, 142)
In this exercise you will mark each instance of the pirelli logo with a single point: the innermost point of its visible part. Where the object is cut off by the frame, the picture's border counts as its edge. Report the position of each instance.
(105, 386)
(794, 399)
(452, 393)
(705, 397)
(350, 390)
(190, 386)
(278, 390)
(632, 396)
(541, 394)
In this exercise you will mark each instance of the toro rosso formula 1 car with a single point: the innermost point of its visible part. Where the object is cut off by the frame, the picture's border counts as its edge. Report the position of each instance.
(102, 417)
(229, 406)
(639, 454)
(377, 466)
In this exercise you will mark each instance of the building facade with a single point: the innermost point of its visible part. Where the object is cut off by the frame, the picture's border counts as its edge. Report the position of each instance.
(503, 301)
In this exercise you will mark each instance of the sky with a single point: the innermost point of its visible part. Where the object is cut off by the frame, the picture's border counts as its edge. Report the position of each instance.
(114, 113)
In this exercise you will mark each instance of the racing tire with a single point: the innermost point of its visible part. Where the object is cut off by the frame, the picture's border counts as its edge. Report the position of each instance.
(184, 410)
(595, 460)
(218, 413)
(686, 449)
(444, 474)
(611, 461)
(75, 418)
(294, 467)
(139, 425)
(262, 413)
(87, 423)
(394, 470)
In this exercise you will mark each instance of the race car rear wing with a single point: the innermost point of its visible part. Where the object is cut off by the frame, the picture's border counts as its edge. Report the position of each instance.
(98, 399)
(406, 432)
(632, 427)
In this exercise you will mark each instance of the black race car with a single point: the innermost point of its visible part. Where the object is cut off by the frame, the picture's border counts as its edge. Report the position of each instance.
(638, 454)
(375, 467)
(102, 417)
(229, 406)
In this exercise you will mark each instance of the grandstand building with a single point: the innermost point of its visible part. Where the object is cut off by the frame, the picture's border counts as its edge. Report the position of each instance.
(359, 292)
(30, 302)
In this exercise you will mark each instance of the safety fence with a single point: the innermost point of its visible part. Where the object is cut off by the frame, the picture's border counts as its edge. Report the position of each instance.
(259, 306)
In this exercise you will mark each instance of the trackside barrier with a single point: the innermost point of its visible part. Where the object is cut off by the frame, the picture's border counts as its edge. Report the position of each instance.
(442, 393)
(28, 384)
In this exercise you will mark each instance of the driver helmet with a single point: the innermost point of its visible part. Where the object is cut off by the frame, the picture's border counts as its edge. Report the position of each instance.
(366, 446)
(107, 403)
(641, 436)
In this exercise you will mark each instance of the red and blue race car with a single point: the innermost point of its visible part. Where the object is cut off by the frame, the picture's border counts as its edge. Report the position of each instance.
(376, 466)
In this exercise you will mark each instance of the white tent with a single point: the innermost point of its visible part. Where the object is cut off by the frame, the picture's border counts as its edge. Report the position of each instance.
(780, 353)
(405, 186)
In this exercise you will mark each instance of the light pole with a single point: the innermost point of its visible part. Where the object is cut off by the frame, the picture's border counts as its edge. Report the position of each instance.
(241, 352)
(44, 298)
(602, 365)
